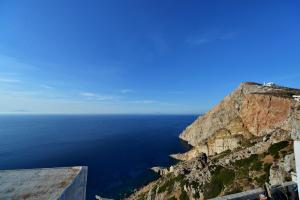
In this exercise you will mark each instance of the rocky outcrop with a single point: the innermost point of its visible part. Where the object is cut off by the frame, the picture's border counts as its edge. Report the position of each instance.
(162, 170)
(252, 110)
(280, 171)
(241, 143)
(295, 122)
(97, 197)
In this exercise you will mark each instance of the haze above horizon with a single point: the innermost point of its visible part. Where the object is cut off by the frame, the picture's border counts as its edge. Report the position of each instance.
(141, 57)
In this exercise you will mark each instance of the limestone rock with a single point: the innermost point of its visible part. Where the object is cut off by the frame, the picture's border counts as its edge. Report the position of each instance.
(277, 174)
(289, 163)
(251, 110)
(282, 169)
(101, 198)
(160, 170)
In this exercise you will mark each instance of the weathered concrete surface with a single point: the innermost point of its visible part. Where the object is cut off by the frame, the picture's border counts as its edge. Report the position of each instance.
(65, 183)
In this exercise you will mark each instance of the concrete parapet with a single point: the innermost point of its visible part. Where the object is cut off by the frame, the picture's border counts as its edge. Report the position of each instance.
(290, 188)
(62, 183)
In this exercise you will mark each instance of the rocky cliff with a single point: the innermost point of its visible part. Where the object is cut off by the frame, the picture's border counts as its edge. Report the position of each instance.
(252, 110)
(238, 145)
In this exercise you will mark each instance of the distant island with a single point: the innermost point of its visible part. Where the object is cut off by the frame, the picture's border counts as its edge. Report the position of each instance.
(241, 143)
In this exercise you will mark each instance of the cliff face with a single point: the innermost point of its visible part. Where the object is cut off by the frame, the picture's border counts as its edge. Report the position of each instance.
(241, 143)
(251, 110)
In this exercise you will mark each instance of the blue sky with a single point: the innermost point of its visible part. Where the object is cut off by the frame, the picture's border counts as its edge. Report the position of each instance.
(141, 56)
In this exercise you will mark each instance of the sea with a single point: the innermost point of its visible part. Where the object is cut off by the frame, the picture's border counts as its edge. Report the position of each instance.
(119, 150)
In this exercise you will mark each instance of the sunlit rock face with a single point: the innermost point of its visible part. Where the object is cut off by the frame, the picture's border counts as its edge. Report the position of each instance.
(252, 110)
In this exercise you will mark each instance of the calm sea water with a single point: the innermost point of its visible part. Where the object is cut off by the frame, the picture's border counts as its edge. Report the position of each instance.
(118, 149)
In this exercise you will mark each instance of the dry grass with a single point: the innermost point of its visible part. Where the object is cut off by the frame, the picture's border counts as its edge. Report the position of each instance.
(268, 159)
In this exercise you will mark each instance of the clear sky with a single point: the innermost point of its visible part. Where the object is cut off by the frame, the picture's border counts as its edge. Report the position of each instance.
(142, 56)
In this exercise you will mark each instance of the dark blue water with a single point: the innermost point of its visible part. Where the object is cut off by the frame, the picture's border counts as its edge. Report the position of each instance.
(118, 149)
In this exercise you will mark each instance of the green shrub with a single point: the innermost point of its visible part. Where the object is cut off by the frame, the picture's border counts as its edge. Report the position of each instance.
(184, 195)
(225, 153)
(244, 165)
(195, 184)
(256, 166)
(283, 153)
(153, 191)
(267, 167)
(288, 178)
(261, 179)
(227, 176)
(197, 195)
(172, 198)
(180, 179)
(169, 183)
(242, 172)
(275, 148)
(246, 143)
(276, 156)
(246, 161)
(264, 178)
(213, 189)
(221, 177)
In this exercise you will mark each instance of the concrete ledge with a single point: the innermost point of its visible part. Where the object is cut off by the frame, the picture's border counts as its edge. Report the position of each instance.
(63, 183)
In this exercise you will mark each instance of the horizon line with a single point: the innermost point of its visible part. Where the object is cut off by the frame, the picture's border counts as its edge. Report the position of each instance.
(29, 113)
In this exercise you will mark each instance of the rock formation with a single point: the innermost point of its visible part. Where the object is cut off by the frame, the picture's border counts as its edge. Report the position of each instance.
(252, 110)
(241, 143)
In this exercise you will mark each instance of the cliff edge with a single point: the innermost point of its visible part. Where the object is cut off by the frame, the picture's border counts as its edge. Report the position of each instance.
(238, 145)
(252, 110)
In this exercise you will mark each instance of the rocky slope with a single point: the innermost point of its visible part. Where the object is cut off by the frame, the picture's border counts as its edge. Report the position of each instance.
(238, 145)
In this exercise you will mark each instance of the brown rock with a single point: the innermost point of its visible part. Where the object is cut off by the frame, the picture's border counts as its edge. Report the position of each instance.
(251, 110)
